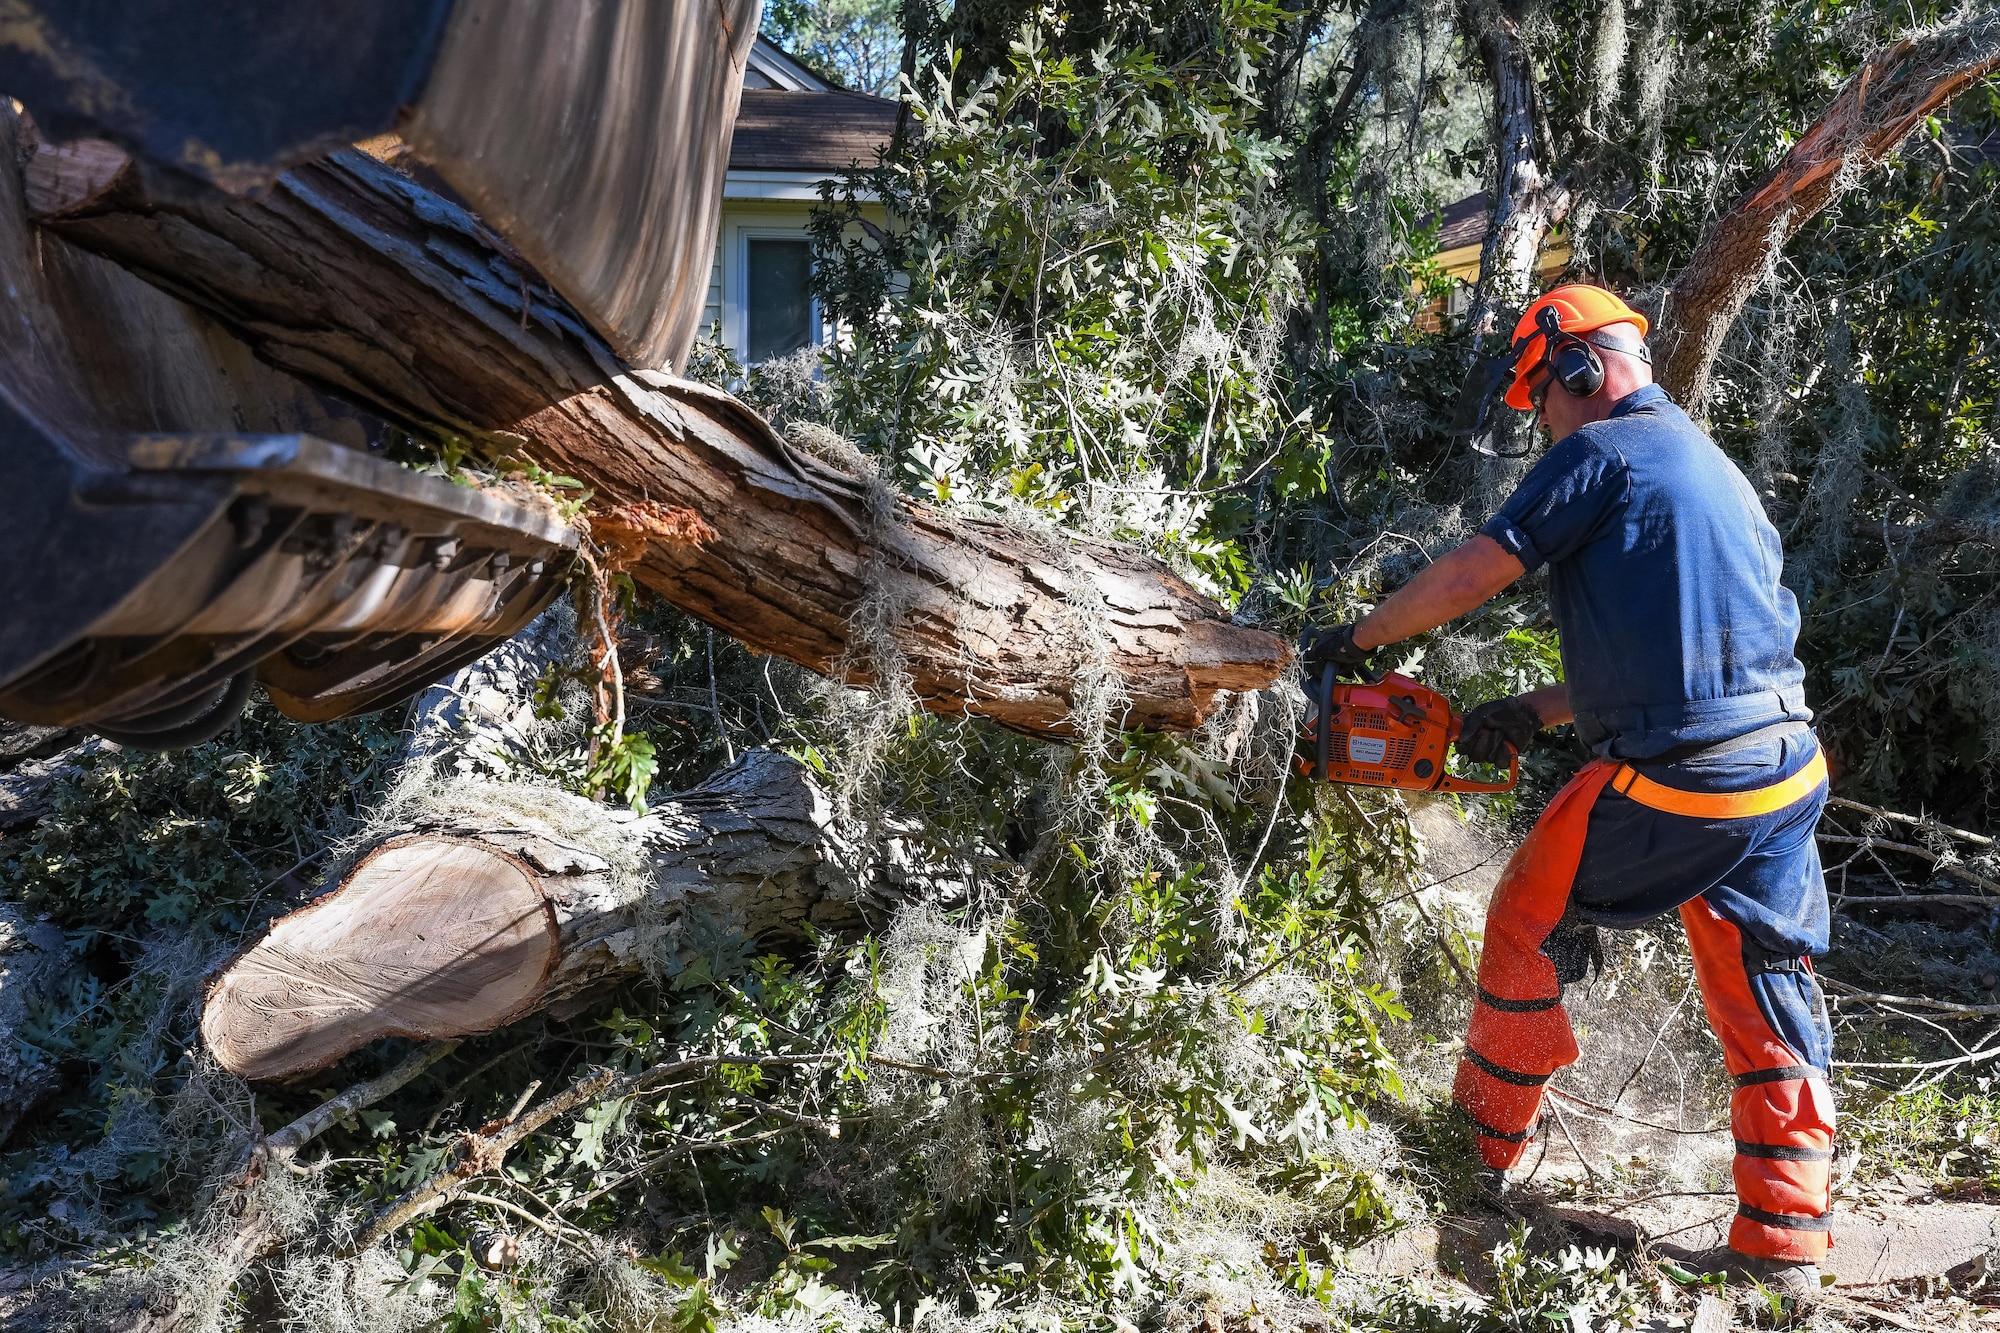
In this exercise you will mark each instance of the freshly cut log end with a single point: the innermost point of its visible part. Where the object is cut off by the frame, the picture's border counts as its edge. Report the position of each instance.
(510, 900)
(432, 936)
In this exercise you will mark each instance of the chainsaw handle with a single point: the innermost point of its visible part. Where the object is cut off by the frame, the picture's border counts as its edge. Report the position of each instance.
(1447, 782)
(1324, 740)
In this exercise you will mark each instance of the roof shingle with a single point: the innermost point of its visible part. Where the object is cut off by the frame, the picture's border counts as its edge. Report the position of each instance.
(779, 130)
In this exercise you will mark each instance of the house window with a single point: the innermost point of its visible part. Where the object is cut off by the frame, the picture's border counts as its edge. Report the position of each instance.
(779, 306)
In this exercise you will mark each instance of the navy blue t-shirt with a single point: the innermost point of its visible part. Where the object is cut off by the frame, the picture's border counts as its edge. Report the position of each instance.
(1664, 580)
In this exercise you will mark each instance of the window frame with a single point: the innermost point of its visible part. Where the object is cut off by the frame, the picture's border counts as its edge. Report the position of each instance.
(736, 280)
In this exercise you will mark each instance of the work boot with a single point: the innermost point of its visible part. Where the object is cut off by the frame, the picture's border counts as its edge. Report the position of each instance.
(1797, 1285)
(1497, 1192)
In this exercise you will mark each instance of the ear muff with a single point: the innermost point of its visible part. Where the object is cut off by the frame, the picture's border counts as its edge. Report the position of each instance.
(1572, 362)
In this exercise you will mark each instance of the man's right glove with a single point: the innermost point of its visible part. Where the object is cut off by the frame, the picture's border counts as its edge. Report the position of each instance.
(1323, 648)
(1490, 729)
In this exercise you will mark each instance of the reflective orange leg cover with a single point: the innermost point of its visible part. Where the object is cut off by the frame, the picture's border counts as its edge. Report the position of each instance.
(1781, 1111)
(1520, 1034)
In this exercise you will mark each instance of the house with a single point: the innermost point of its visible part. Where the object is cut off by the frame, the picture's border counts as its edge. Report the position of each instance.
(1462, 231)
(793, 131)
(1461, 236)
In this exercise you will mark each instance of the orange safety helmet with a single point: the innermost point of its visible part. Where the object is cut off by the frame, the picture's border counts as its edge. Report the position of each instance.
(1582, 309)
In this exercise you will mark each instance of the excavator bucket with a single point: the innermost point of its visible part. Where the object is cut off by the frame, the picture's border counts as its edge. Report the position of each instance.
(157, 577)
(593, 134)
(154, 578)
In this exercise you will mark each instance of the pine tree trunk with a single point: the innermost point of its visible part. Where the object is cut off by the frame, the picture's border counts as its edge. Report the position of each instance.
(1529, 202)
(353, 276)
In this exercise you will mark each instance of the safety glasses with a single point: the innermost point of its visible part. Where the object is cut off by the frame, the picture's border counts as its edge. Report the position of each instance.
(1538, 385)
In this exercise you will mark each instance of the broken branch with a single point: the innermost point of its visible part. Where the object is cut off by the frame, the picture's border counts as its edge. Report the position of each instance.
(1886, 99)
(1848, 992)
(1915, 821)
(287, 1141)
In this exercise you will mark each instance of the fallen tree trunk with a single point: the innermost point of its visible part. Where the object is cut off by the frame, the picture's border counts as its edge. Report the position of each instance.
(1889, 96)
(353, 276)
(518, 897)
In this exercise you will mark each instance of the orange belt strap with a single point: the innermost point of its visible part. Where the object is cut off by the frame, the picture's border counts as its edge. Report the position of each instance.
(1628, 781)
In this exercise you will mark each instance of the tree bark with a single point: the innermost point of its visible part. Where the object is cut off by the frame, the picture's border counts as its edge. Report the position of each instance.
(354, 276)
(521, 898)
(1528, 202)
(1889, 96)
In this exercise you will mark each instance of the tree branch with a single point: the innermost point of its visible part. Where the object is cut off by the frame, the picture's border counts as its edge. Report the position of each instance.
(1889, 96)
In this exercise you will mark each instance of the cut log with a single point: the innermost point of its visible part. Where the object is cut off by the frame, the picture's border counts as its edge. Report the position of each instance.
(353, 276)
(455, 934)
(1887, 98)
(458, 929)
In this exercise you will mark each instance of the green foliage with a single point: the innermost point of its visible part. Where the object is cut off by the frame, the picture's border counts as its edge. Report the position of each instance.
(480, 1301)
(1052, 1074)
(1944, 1137)
(1531, 1291)
(1437, 1136)
(1078, 304)
(213, 832)
(152, 863)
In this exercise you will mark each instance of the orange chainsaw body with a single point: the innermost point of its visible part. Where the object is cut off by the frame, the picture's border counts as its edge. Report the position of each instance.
(1391, 732)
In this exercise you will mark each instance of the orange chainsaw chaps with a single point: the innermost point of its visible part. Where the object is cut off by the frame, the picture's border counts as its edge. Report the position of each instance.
(1520, 1034)
(1781, 1111)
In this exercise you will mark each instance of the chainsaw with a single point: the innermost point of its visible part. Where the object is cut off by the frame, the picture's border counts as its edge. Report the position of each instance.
(1387, 732)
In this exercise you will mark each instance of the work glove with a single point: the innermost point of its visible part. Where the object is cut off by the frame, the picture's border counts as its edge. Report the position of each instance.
(1576, 948)
(1491, 729)
(1323, 648)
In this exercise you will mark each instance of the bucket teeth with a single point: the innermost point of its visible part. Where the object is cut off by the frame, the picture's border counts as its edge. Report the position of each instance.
(344, 583)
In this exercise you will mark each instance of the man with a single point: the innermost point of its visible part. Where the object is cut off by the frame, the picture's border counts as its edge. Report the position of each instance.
(1677, 643)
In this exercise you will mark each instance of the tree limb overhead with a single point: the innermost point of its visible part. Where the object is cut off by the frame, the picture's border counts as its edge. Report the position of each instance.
(1887, 98)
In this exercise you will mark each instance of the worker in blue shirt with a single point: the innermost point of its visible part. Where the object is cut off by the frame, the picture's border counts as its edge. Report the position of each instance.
(1679, 673)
